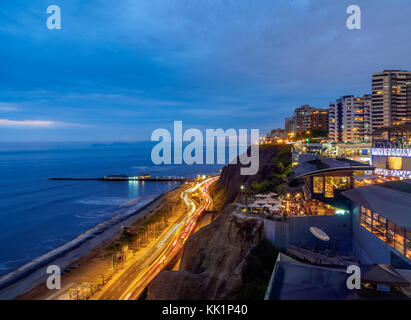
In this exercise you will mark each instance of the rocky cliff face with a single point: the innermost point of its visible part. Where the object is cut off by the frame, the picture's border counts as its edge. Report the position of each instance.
(213, 258)
(231, 180)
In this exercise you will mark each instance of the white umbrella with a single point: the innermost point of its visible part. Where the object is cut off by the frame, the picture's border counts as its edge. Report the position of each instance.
(273, 201)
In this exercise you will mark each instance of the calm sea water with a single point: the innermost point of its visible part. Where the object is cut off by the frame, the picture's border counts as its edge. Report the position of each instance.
(38, 215)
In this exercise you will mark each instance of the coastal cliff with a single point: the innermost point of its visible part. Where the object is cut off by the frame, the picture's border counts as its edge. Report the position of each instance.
(214, 258)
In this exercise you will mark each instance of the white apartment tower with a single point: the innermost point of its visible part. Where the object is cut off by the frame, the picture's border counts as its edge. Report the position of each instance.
(350, 119)
(391, 98)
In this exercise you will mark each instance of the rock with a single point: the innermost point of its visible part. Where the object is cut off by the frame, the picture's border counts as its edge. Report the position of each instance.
(212, 263)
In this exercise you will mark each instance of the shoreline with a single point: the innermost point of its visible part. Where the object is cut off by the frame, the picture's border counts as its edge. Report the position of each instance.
(32, 275)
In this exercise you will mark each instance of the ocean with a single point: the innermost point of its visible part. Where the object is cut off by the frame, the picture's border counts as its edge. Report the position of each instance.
(38, 215)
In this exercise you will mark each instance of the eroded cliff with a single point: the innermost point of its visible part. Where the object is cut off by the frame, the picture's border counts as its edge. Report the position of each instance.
(213, 259)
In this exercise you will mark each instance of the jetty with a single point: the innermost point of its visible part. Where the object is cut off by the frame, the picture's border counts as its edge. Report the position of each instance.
(116, 178)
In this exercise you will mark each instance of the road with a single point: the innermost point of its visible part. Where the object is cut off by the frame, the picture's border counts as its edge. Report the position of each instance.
(133, 280)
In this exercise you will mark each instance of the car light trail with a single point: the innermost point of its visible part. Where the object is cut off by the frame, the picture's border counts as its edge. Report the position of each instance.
(172, 242)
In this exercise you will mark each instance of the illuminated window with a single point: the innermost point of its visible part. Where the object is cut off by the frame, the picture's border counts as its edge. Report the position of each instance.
(394, 235)
(365, 218)
(379, 227)
(390, 233)
(394, 163)
(399, 239)
(318, 185)
(336, 183)
(408, 245)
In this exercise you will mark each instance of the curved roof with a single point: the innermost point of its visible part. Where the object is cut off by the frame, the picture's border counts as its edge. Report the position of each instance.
(392, 200)
(319, 166)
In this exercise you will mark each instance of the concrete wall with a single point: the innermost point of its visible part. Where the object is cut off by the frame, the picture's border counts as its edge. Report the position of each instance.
(295, 231)
(369, 249)
(346, 234)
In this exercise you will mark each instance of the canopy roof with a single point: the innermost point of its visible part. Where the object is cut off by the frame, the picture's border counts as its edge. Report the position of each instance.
(319, 166)
(392, 200)
(365, 177)
(298, 281)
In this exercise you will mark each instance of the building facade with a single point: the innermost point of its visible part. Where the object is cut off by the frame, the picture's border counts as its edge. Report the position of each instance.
(391, 98)
(381, 223)
(299, 122)
(391, 151)
(308, 118)
(317, 119)
(289, 125)
(350, 119)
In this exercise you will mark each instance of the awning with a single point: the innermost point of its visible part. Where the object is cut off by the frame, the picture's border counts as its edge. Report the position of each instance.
(365, 177)
(383, 274)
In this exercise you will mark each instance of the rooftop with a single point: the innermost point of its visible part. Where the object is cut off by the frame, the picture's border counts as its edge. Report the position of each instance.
(392, 200)
(293, 280)
(318, 166)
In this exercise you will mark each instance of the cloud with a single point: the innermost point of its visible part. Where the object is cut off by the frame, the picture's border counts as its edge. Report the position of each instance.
(143, 64)
(26, 123)
(5, 106)
(38, 123)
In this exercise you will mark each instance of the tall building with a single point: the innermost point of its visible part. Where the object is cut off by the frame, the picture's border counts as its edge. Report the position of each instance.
(391, 98)
(318, 119)
(309, 118)
(299, 125)
(288, 125)
(349, 119)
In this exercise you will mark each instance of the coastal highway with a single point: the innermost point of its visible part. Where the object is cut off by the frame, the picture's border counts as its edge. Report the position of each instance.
(131, 282)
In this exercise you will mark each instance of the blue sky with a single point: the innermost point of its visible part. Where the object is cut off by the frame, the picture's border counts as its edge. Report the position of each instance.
(117, 70)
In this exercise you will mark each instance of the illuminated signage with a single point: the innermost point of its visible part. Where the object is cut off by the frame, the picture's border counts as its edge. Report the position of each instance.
(340, 212)
(393, 173)
(391, 152)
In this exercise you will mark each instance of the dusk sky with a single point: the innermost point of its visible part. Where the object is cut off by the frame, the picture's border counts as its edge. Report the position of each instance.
(117, 70)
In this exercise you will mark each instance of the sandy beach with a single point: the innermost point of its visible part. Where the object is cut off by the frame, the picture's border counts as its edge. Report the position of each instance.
(90, 255)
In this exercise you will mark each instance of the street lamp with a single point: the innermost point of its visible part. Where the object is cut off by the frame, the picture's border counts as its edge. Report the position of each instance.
(244, 194)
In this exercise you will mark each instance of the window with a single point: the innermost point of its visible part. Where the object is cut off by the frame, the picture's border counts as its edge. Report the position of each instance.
(390, 233)
(366, 220)
(379, 227)
(408, 245)
(318, 184)
(336, 183)
(397, 237)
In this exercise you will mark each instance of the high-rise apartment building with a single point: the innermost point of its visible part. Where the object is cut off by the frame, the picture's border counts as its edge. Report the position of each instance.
(349, 118)
(299, 125)
(308, 118)
(391, 98)
(288, 125)
(317, 119)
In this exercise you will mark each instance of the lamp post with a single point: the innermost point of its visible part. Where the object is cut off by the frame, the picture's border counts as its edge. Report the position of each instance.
(242, 188)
